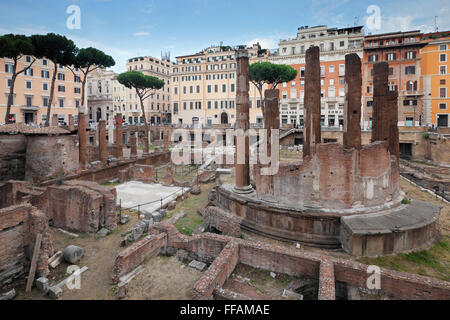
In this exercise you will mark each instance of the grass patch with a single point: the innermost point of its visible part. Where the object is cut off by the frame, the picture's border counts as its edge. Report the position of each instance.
(111, 184)
(434, 262)
(406, 201)
(192, 220)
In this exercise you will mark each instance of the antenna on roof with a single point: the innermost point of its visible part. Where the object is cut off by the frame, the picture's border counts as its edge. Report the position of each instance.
(436, 28)
(356, 21)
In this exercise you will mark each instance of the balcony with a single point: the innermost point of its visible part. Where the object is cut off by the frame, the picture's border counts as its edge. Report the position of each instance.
(412, 93)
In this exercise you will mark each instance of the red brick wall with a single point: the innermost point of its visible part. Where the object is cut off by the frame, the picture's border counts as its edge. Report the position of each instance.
(216, 275)
(132, 257)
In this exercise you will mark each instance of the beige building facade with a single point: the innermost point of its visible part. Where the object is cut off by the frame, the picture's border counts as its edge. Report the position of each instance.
(158, 106)
(204, 87)
(32, 91)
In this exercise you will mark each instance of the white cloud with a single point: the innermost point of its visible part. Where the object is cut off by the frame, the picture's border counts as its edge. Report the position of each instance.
(141, 34)
(265, 42)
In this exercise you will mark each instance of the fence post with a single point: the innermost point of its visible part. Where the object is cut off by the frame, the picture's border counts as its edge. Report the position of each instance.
(120, 210)
(161, 203)
(139, 210)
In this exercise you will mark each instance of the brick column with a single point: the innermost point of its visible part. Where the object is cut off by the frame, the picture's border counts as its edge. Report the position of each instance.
(118, 139)
(393, 140)
(145, 140)
(133, 153)
(312, 132)
(82, 137)
(271, 115)
(242, 123)
(381, 113)
(166, 140)
(327, 287)
(353, 85)
(102, 142)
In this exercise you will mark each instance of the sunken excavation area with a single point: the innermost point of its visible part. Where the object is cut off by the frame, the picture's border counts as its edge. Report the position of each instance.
(339, 195)
(138, 228)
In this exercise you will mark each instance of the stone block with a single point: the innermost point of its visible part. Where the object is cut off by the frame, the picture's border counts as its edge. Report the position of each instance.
(72, 254)
(197, 265)
(55, 293)
(103, 232)
(8, 295)
(42, 284)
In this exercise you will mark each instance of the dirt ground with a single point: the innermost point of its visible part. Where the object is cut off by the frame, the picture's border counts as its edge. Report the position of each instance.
(163, 278)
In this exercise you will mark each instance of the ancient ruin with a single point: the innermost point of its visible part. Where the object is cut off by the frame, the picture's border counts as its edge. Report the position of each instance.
(117, 185)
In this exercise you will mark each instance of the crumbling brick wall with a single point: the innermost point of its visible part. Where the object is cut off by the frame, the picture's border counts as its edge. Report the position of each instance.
(48, 157)
(12, 157)
(227, 223)
(132, 257)
(80, 206)
(19, 226)
(216, 275)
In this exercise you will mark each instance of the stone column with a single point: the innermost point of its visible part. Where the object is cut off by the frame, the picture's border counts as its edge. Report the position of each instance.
(102, 142)
(55, 121)
(71, 123)
(242, 123)
(133, 141)
(82, 137)
(353, 85)
(393, 140)
(312, 132)
(271, 115)
(166, 140)
(118, 139)
(381, 113)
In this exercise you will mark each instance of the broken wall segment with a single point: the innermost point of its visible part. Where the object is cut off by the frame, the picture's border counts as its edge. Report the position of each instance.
(221, 220)
(132, 257)
(381, 114)
(19, 225)
(80, 206)
(399, 285)
(219, 271)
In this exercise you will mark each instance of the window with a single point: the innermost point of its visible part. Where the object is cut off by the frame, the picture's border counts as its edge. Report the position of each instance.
(369, 103)
(77, 79)
(410, 70)
(391, 56)
(61, 88)
(29, 101)
(331, 69)
(45, 102)
(61, 76)
(443, 92)
(373, 58)
(77, 90)
(302, 72)
(443, 57)
(29, 72)
(342, 43)
(410, 55)
(442, 106)
(443, 47)
(8, 83)
(331, 82)
(61, 103)
(224, 88)
(44, 62)
(28, 84)
(9, 68)
(232, 87)
(443, 70)
(341, 81)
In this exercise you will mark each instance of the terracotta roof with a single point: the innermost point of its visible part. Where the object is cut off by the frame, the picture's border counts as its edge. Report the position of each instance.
(21, 128)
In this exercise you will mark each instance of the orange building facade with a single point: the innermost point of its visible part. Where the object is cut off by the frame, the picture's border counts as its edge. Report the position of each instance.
(435, 56)
(334, 45)
(401, 50)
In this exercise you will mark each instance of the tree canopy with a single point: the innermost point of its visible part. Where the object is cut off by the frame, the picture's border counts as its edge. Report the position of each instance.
(14, 46)
(55, 47)
(144, 85)
(89, 57)
(139, 81)
(270, 73)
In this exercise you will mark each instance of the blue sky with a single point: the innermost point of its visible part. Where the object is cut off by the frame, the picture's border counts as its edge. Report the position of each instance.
(126, 29)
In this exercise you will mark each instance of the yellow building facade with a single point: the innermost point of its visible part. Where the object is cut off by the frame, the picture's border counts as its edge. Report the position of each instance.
(203, 88)
(436, 79)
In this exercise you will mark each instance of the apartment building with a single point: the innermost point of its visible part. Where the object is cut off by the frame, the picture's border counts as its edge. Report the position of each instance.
(32, 91)
(435, 78)
(100, 87)
(334, 45)
(402, 51)
(158, 106)
(204, 87)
